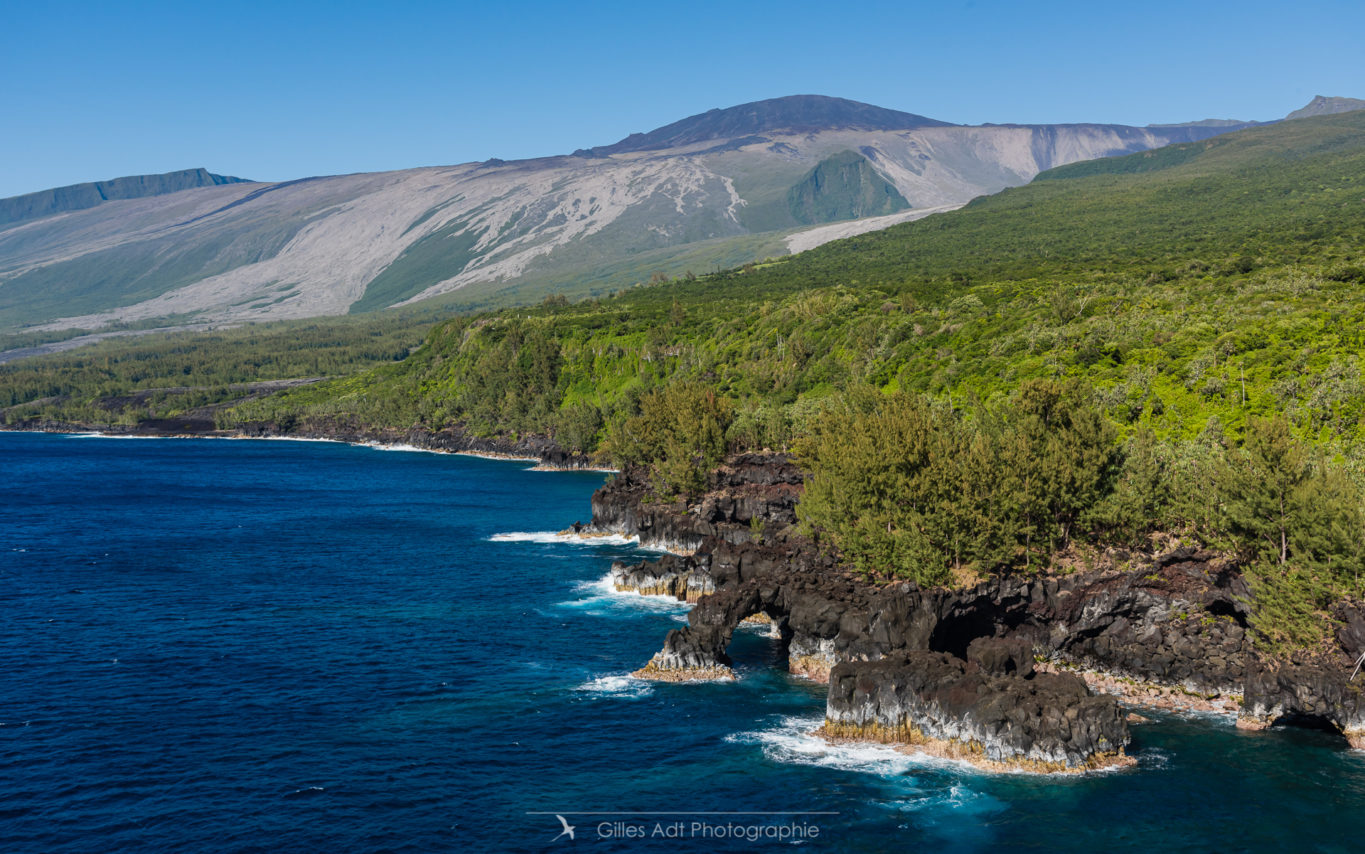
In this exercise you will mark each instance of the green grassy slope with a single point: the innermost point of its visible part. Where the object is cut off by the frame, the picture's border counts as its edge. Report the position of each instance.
(843, 186)
(1285, 192)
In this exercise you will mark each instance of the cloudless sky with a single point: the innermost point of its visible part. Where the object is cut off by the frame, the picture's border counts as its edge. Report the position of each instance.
(280, 90)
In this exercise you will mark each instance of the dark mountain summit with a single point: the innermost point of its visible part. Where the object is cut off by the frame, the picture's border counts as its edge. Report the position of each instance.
(793, 113)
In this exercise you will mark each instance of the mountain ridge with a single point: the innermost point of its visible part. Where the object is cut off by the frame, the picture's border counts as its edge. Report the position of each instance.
(74, 197)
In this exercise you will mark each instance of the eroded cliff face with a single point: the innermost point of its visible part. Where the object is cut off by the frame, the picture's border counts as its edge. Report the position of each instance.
(1169, 630)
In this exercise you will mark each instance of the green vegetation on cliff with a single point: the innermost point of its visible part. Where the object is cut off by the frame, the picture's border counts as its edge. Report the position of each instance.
(906, 488)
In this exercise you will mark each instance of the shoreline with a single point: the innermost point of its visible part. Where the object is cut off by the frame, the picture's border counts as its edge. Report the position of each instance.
(89, 432)
(1131, 691)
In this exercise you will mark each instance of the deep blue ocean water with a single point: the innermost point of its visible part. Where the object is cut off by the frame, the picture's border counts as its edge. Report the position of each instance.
(247, 645)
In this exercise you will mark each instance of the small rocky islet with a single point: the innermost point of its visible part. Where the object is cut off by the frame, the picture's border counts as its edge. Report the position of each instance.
(1034, 673)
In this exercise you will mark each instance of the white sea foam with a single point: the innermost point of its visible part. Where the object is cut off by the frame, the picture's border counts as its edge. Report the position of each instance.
(601, 598)
(569, 537)
(108, 436)
(619, 685)
(791, 741)
(308, 790)
(1153, 758)
(958, 799)
(379, 446)
(1228, 718)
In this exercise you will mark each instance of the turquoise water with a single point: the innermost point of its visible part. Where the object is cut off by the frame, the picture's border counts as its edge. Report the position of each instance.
(240, 646)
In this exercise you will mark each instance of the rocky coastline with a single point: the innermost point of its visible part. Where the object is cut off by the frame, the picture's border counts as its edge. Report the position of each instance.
(1035, 673)
(1018, 673)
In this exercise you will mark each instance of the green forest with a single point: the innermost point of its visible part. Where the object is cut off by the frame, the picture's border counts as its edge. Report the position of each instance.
(1165, 343)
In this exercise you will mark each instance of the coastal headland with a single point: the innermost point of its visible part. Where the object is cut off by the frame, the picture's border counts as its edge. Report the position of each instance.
(1032, 672)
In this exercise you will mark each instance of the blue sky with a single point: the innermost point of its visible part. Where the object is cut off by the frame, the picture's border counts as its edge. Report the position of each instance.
(283, 90)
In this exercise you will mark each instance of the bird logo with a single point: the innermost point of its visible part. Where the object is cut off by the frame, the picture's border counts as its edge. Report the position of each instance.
(567, 831)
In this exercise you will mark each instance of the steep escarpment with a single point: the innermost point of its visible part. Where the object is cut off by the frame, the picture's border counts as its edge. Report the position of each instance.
(81, 196)
(955, 667)
(707, 192)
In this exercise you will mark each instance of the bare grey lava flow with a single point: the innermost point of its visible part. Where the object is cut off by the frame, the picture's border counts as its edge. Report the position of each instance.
(1035, 672)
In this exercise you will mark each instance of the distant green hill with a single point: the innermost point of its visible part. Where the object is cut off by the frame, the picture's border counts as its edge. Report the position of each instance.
(843, 186)
(1321, 105)
(1282, 193)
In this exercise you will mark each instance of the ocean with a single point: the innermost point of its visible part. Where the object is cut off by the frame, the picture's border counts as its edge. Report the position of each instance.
(211, 645)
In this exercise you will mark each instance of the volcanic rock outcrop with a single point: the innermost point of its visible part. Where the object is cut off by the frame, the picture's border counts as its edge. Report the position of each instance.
(982, 709)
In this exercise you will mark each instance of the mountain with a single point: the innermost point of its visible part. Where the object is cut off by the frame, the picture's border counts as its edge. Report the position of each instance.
(714, 190)
(81, 196)
(1322, 105)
